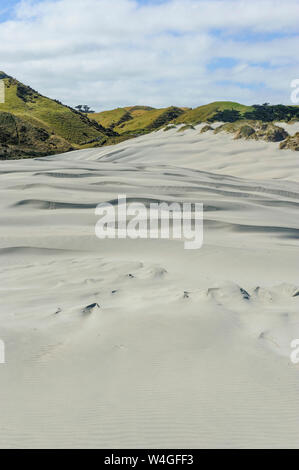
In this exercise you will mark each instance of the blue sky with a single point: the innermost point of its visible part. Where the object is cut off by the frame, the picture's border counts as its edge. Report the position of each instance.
(6, 9)
(184, 52)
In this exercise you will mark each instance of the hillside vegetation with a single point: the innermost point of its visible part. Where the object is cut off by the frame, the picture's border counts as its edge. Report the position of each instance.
(35, 115)
(208, 111)
(256, 130)
(137, 119)
(21, 138)
(33, 125)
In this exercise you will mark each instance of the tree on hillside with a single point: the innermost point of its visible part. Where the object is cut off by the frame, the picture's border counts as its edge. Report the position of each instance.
(83, 108)
(227, 115)
(267, 113)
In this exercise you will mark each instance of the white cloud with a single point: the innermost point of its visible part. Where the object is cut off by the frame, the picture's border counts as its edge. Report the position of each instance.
(109, 53)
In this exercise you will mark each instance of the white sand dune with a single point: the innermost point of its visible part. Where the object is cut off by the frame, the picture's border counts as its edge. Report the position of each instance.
(185, 348)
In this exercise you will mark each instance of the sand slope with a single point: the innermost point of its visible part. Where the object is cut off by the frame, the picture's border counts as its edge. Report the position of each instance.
(185, 348)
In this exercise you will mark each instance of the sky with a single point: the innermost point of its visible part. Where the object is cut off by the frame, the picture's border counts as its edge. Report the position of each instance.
(113, 53)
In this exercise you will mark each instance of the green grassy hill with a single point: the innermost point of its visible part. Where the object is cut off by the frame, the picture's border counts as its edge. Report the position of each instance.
(149, 120)
(33, 110)
(136, 119)
(111, 119)
(138, 110)
(22, 138)
(207, 111)
(117, 117)
(34, 125)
